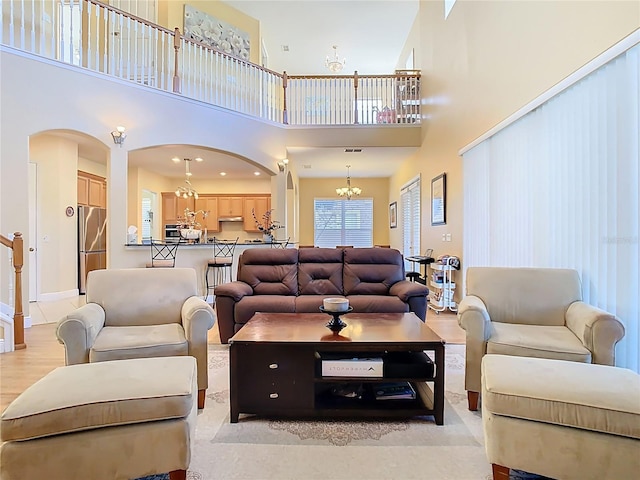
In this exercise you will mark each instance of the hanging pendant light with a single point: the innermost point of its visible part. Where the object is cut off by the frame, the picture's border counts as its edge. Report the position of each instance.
(333, 63)
(187, 190)
(348, 191)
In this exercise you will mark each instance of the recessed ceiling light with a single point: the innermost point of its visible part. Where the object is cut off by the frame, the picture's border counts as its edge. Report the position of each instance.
(223, 173)
(198, 159)
(256, 173)
(175, 159)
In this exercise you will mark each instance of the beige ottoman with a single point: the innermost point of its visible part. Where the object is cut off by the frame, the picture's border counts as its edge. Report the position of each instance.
(564, 420)
(121, 419)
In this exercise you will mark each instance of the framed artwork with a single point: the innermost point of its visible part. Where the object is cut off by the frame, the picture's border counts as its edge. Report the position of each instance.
(438, 200)
(202, 27)
(393, 215)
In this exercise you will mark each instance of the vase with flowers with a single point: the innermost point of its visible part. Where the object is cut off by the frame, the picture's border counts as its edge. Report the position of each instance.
(190, 228)
(267, 225)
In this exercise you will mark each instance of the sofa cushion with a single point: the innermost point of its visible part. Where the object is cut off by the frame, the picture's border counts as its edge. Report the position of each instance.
(371, 271)
(320, 271)
(377, 304)
(537, 341)
(311, 303)
(270, 272)
(94, 395)
(249, 305)
(593, 397)
(152, 296)
(120, 343)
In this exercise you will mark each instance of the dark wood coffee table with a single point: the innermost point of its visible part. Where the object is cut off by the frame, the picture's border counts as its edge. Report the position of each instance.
(275, 366)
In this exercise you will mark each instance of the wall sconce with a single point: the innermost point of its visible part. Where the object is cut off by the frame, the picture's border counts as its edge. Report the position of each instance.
(118, 136)
(283, 164)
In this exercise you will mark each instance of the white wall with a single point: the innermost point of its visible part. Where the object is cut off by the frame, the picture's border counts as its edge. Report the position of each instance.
(57, 160)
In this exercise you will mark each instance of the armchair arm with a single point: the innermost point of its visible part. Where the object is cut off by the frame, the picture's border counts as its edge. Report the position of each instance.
(599, 331)
(197, 319)
(236, 290)
(405, 289)
(78, 331)
(474, 318)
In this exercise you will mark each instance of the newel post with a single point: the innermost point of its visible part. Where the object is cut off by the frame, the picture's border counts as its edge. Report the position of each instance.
(176, 48)
(285, 115)
(18, 314)
(355, 89)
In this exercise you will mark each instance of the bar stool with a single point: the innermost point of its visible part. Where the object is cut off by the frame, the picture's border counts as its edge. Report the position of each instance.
(163, 255)
(221, 262)
(280, 243)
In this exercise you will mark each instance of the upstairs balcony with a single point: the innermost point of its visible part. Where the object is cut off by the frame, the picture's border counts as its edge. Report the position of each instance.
(103, 39)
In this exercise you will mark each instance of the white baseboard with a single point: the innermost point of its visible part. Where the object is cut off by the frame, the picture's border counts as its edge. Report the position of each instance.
(7, 310)
(52, 297)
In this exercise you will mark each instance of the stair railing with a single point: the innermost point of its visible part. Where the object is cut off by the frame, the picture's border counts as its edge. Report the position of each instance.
(101, 38)
(17, 247)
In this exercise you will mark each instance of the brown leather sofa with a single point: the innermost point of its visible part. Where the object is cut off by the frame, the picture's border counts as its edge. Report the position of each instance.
(292, 280)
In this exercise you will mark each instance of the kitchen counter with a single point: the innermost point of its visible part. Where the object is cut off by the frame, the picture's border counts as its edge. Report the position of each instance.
(195, 255)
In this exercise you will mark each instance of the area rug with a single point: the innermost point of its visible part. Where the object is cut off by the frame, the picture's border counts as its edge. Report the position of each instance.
(261, 449)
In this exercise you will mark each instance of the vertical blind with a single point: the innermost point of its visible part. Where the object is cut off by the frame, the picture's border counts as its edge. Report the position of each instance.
(559, 188)
(343, 222)
(410, 203)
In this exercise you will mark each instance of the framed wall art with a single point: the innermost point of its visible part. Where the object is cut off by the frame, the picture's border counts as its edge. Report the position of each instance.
(439, 199)
(202, 27)
(393, 215)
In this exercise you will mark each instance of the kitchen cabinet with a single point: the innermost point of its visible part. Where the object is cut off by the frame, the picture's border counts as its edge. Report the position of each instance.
(208, 203)
(230, 206)
(173, 207)
(92, 190)
(260, 205)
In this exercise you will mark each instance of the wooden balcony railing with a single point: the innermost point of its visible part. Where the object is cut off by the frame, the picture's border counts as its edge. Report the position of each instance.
(17, 247)
(104, 39)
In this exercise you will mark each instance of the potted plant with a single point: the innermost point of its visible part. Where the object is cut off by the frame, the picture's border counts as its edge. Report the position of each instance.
(267, 226)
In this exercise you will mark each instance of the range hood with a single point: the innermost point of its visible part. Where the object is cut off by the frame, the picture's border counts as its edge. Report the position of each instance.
(228, 218)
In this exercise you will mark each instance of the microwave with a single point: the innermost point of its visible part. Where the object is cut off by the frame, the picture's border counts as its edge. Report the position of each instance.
(171, 233)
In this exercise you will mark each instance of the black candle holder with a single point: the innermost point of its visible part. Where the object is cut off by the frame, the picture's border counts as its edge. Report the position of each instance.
(336, 324)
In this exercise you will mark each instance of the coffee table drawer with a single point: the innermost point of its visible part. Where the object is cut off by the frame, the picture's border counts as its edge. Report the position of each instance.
(272, 377)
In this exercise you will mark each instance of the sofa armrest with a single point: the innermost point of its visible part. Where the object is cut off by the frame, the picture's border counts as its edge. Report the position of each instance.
(236, 290)
(404, 290)
(197, 319)
(474, 318)
(227, 295)
(78, 331)
(599, 331)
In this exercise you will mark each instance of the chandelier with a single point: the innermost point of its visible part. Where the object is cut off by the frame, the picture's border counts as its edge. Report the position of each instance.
(187, 190)
(334, 64)
(348, 191)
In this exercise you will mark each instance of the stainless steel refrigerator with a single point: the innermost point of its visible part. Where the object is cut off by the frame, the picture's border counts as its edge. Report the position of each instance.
(92, 242)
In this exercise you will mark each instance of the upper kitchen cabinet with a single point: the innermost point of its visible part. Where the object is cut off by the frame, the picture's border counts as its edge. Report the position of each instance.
(92, 190)
(230, 206)
(173, 207)
(260, 205)
(208, 203)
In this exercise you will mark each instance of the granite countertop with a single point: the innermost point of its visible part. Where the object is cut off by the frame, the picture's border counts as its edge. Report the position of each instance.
(246, 243)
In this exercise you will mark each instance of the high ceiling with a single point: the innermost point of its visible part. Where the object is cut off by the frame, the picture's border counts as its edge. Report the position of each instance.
(370, 34)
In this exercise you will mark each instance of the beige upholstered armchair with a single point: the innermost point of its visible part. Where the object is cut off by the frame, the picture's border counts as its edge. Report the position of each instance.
(531, 312)
(138, 313)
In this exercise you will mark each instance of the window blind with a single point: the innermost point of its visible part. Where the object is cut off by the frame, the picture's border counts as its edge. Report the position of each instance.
(343, 222)
(559, 188)
(410, 204)
(146, 217)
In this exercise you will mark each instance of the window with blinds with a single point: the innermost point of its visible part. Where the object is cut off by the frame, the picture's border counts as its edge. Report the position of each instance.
(410, 203)
(146, 217)
(343, 222)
